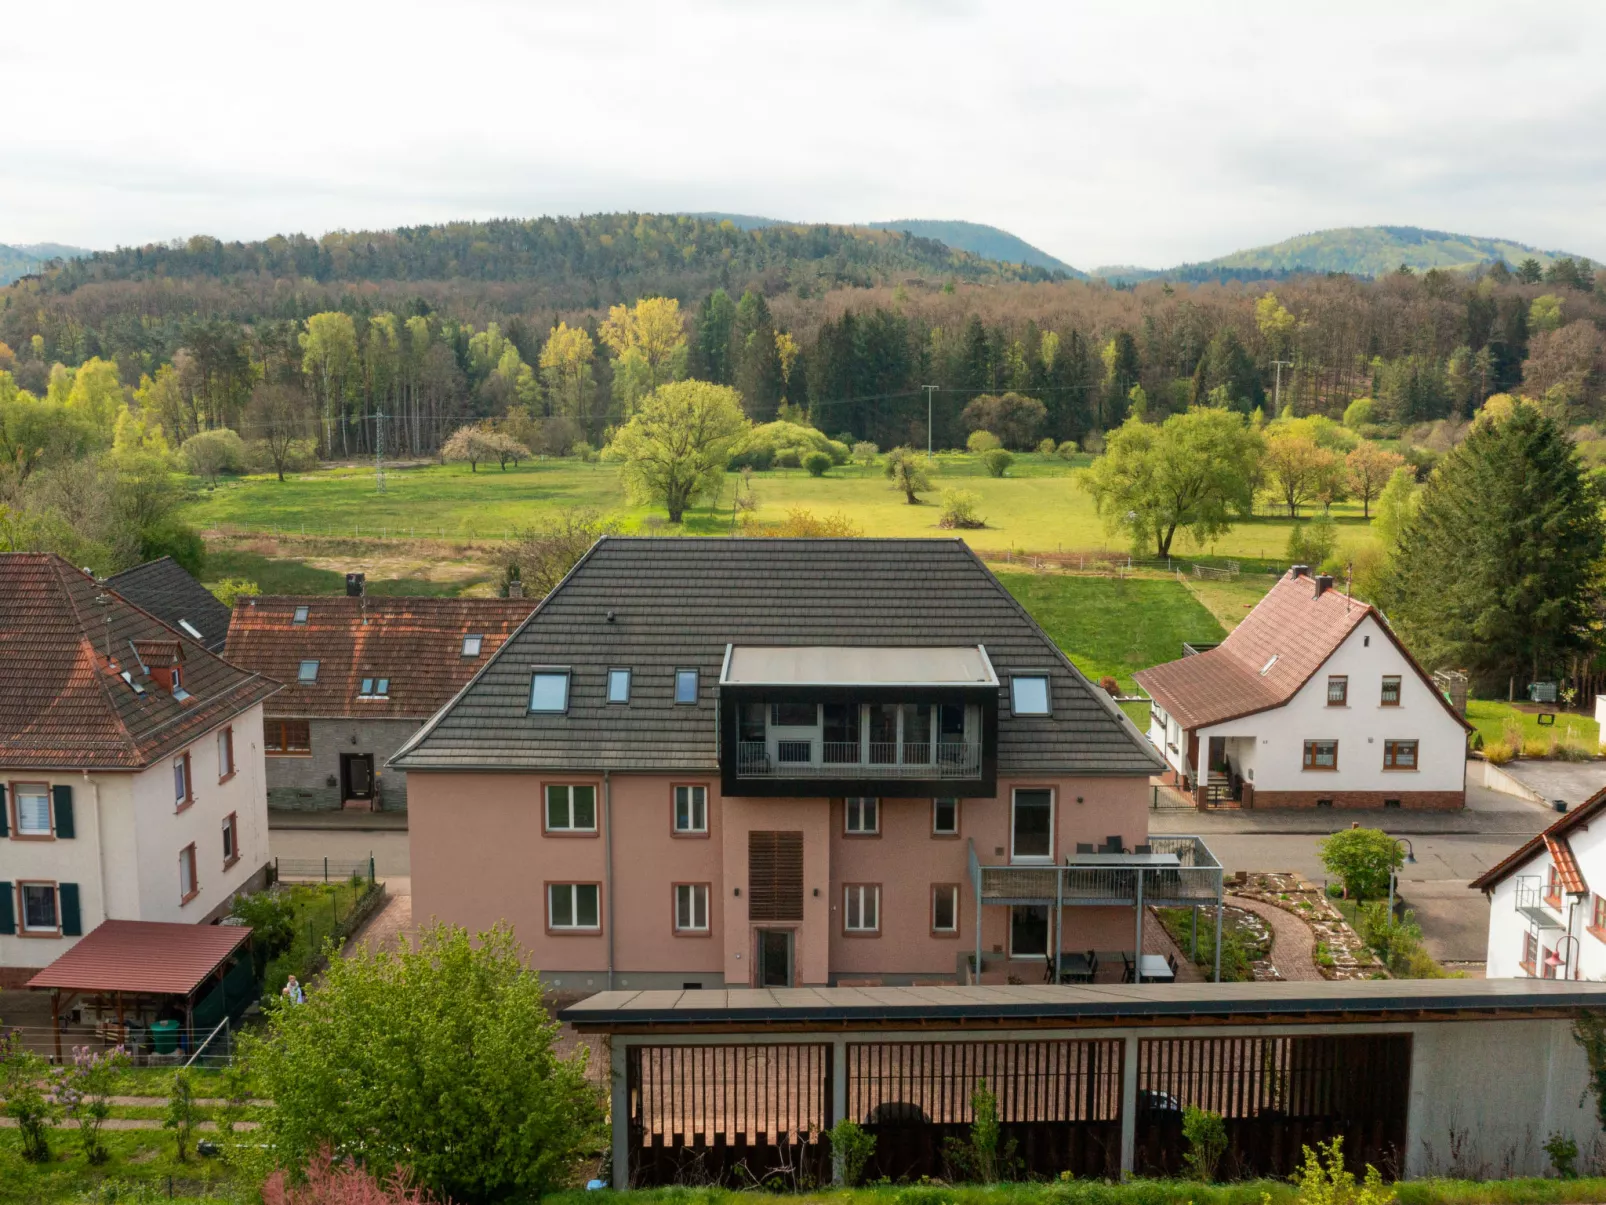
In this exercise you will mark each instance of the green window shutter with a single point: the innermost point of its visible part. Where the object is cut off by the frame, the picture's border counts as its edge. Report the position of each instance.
(5, 813)
(63, 800)
(72, 924)
(8, 913)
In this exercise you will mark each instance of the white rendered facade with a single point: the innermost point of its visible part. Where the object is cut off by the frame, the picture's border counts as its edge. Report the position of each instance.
(1540, 929)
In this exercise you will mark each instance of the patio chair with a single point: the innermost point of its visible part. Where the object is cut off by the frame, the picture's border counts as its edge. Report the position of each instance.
(1143, 849)
(1128, 974)
(1113, 845)
(1084, 847)
(1171, 961)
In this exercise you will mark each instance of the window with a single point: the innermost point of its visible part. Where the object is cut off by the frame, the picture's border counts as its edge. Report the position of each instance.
(1032, 827)
(618, 686)
(225, 754)
(39, 907)
(691, 907)
(286, 736)
(1321, 755)
(1530, 952)
(1391, 692)
(1338, 691)
(374, 688)
(945, 908)
(573, 906)
(549, 691)
(793, 715)
(33, 809)
(750, 722)
(179, 692)
(191, 629)
(187, 884)
(1266, 669)
(1553, 886)
(1598, 913)
(472, 645)
(945, 817)
(300, 615)
(231, 841)
(862, 816)
(861, 908)
(182, 796)
(691, 809)
(1399, 755)
(308, 673)
(1028, 931)
(1029, 695)
(685, 686)
(571, 808)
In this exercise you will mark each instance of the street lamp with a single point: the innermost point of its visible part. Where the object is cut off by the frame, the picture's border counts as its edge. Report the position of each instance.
(1410, 860)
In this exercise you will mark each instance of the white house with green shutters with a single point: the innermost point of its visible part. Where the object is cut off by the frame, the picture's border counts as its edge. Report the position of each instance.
(131, 767)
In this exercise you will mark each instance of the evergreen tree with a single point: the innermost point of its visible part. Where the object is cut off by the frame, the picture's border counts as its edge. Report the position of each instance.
(1121, 370)
(755, 363)
(1498, 569)
(711, 340)
(1226, 362)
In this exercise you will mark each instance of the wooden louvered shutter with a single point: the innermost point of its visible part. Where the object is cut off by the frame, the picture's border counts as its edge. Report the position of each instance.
(62, 798)
(72, 924)
(8, 911)
(774, 876)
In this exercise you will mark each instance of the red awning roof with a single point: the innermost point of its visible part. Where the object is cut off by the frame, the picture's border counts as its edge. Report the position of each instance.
(143, 956)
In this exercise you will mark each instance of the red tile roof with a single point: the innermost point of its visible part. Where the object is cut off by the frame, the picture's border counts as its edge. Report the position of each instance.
(415, 643)
(65, 705)
(1553, 841)
(143, 956)
(1266, 659)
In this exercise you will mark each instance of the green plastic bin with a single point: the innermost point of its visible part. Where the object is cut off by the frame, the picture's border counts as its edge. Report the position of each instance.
(164, 1036)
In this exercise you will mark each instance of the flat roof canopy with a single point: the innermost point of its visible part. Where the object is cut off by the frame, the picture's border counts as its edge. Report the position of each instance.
(154, 957)
(739, 1009)
(838, 665)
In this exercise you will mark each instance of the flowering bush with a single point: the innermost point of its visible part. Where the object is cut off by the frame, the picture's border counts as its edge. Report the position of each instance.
(83, 1092)
(21, 1071)
(344, 1183)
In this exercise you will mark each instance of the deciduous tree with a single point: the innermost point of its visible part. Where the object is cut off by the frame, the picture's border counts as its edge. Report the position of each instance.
(651, 334)
(1367, 470)
(677, 446)
(1301, 472)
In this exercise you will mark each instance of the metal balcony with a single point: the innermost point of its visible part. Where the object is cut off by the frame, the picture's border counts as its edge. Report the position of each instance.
(1179, 872)
(1530, 899)
(849, 759)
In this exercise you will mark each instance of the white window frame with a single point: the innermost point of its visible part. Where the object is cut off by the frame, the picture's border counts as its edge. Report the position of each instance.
(22, 907)
(854, 898)
(187, 867)
(183, 788)
(691, 907)
(32, 788)
(477, 640)
(1014, 801)
(303, 677)
(937, 803)
(615, 677)
(573, 891)
(569, 789)
(1016, 681)
(951, 891)
(539, 674)
(853, 815)
(231, 839)
(696, 808)
(225, 752)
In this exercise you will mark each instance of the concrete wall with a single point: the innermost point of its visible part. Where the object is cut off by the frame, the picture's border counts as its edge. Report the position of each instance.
(300, 781)
(124, 856)
(480, 855)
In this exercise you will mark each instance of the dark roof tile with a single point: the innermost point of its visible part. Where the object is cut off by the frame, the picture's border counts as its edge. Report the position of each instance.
(163, 588)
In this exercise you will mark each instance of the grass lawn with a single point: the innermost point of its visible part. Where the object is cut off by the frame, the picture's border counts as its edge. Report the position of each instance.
(326, 573)
(1489, 717)
(141, 1163)
(1114, 625)
(1040, 507)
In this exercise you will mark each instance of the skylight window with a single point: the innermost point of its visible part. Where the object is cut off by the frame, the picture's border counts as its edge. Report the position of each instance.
(190, 628)
(471, 645)
(1028, 694)
(374, 688)
(128, 677)
(1265, 669)
(301, 615)
(618, 686)
(308, 674)
(685, 686)
(549, 691)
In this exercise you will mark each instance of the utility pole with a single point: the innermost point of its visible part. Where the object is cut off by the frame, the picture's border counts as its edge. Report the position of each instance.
(1277, 397)
(379, 452)
(930, 389)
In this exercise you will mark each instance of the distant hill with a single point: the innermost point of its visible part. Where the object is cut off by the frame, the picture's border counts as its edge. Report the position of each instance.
(23, 258)
(1357, 250)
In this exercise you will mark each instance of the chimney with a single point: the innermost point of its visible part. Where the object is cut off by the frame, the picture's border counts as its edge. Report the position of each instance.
(1324, 583)
(356, 585)
(1299, 571)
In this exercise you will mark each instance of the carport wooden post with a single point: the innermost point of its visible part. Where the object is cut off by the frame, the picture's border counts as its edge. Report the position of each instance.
(619, 1108)
(55, 1018)
(1129, 1105)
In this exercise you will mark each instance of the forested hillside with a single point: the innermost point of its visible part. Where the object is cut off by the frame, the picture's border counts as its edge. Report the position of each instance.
(23, 258)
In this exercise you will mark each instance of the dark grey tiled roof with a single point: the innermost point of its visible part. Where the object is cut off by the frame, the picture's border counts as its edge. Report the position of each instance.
(167, 591)
(678, 602)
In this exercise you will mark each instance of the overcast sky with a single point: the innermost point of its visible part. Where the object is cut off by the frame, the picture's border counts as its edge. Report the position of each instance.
(1126, 132)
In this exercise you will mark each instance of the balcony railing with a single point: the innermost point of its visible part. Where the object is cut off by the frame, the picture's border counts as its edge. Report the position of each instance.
(850, 759)
(1531, 901)
(1195, 879)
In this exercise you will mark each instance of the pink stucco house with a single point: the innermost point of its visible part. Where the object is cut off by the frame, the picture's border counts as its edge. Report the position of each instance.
(713, 762)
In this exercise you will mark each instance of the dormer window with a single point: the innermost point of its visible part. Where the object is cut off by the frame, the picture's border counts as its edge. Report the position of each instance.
(300, 615)
(308, 673)
(472, 645)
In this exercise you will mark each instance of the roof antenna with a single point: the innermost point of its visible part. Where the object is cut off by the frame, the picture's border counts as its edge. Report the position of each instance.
(1349, 578)
(105, 602)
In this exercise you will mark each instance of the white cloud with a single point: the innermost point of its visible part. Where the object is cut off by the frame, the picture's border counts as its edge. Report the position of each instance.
(1147, 133)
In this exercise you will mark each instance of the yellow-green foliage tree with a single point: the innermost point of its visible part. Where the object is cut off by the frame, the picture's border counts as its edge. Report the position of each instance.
(675, 449)
(330, 360)
(1302, 472)
(1367, 470)
(566, 369)
(649, 340)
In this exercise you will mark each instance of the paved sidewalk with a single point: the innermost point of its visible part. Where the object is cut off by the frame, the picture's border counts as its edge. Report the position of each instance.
(1293, 945)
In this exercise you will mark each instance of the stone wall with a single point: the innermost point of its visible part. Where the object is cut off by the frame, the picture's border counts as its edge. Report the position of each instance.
(311, 782)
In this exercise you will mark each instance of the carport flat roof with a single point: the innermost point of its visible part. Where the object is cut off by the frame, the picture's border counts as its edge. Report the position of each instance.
(155, 957)
(874, 1007)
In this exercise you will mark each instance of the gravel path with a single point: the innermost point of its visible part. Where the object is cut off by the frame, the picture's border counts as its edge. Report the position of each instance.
(1293, 945)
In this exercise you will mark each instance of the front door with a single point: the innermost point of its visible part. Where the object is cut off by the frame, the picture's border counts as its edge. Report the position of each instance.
(1218, 753)
(774, 958)
(358, 771)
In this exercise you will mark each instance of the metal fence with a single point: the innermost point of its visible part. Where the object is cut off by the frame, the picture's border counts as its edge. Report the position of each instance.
(324, 870)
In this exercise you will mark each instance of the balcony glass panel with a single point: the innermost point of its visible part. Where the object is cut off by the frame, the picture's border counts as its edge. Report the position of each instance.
(904, 740)
(794, 715)
(884, 733)
(917, 732)
(750, 722)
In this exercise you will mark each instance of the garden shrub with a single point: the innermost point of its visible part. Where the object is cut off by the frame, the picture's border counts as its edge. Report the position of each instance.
(1045, 447)
(864, 453)
(1536, 746)
(959, 509)
(784, 444)
(1109, 685)
(1206, 1135)
(982, 441)
(997, 461)
(1324, 1180)
(1362, 858)
(1497, 753)
(1067, 449)
(22, 1072)
(1563, 1152)
(816, 463)
(326, 1182)
(984, 1157)
(789, 458)
(851, 1149)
